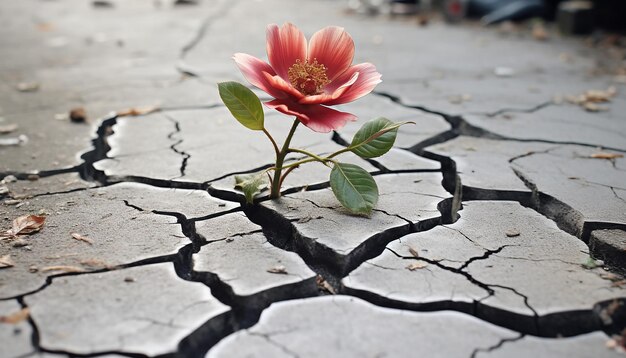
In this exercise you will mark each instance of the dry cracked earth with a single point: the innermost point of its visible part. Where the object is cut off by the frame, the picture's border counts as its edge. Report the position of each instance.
(497, 233)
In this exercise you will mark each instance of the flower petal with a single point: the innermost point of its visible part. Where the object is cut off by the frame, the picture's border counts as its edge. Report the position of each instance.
(332, 47)
(330, 97)
(366, 81)
(253, 69)
(317, 118)
(285, 45)
(285, 88)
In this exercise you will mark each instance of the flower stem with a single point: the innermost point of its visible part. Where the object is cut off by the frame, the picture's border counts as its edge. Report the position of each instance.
(280, 159)
(301, 151)
(269, 136)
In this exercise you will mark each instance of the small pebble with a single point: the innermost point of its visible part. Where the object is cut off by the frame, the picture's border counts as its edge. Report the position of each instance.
(512, 233)
(33, 269)
(20, 243)
(78, 115)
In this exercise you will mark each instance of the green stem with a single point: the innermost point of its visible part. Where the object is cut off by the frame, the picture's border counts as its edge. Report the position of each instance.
(346, 149)
(302, 151)
(280, 159)
(271, 140)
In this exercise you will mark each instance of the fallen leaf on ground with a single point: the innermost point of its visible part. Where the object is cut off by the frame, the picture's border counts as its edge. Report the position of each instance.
(589, 99)
(5, 261)
(603, 155)
(63, 268)
(16, 317)
(8, 128)
(414, 252)
(278, 269)
(24, 225)
(592, 107)
(416, 266)
(138, 111)
(512, 233)
(96, 264)
(79, 237)
(323, 285)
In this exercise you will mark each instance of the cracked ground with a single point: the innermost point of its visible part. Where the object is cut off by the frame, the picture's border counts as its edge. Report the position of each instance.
(500, 229)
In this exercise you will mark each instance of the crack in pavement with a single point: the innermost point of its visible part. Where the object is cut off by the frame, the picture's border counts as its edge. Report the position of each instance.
(182, 153)
(283, 234)
(497, 345)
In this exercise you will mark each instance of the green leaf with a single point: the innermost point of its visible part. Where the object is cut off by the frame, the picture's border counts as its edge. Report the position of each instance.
(243, 104)
(375, 138)
(354, 188)
(250, 185)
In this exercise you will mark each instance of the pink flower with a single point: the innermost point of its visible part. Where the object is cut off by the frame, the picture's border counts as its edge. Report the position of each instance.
(304, 80)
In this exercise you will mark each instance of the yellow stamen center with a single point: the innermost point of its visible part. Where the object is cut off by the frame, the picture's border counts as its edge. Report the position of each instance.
(308, 77)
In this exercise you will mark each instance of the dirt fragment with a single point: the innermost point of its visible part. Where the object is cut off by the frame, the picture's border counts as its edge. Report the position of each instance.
(63, 268)
(138, 111)
(416, 266)
(78, 115)
(79, 237)
(6, 262)
(539, 32)
(280, 269)
(414, 252)
(129, 279)
(8, 128)
(17, 317)
(27, 86)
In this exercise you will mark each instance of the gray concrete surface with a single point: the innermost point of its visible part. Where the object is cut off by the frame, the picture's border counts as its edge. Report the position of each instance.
(499, 230)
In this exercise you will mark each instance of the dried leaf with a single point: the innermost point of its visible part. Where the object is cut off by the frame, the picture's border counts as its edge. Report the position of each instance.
(600, 95)
(63, 268)
(592, 107)
(8, 128)
(5, 261)
(603, 155)
(323, 285)
(17, 317)
(414, 252)
(96, 264)
(280, 269)
(138, 111)
(416, 266)
(24, 225)
(79, 237)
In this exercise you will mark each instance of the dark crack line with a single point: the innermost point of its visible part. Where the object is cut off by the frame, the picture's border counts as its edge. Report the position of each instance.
(484, 256)
(516, 110)
(201, 33)
(269, 340)
(185, 156)
(502, 342)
